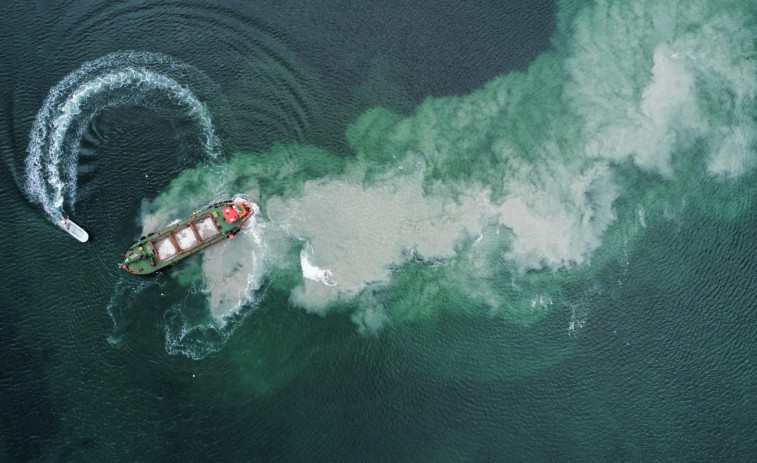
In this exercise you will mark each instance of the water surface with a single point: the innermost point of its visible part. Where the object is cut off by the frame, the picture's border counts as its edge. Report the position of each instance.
(510, 232)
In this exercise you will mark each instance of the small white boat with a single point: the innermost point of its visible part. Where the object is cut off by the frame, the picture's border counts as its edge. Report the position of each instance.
(74, 230)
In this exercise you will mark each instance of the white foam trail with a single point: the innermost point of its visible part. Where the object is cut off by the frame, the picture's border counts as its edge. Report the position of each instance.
(51, 162)
(311, 272)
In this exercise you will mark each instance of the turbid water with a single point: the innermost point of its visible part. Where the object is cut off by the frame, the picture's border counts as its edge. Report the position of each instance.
(502, 232)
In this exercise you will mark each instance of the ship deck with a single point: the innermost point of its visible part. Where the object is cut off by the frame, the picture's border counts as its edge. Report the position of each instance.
(178, 241)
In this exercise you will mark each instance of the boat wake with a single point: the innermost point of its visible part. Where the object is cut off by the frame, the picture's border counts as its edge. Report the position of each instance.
(122, 78)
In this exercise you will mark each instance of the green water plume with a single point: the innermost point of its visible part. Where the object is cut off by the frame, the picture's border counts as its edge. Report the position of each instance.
(493, 203)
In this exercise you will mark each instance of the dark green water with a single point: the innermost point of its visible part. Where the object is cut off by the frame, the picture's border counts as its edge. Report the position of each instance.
(487, 232)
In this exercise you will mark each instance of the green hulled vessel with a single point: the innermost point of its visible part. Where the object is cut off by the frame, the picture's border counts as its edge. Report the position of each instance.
(164, 248)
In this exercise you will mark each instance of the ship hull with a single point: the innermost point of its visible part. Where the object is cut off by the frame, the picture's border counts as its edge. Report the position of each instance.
(167, 246)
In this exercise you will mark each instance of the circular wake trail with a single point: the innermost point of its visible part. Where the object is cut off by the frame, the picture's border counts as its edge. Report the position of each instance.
(116, 79)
